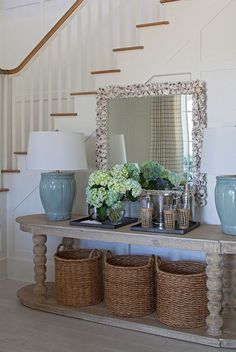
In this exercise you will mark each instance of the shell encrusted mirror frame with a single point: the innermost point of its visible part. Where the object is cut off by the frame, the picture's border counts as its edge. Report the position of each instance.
(195, 88)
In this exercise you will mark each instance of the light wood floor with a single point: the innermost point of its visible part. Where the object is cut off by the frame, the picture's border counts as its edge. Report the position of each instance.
(25, 330)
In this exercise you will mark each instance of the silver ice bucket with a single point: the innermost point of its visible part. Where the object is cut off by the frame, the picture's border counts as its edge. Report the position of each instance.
(161, 200)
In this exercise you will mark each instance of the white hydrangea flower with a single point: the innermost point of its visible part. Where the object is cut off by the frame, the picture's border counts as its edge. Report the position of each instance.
(110, 187)
(99, 178)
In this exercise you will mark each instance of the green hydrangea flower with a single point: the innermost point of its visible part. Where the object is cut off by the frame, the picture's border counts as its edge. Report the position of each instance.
(151, 170)
(99, 178)
(119, 171)
(133, 171)
(110, 187)
(155, 176)
(96, 196)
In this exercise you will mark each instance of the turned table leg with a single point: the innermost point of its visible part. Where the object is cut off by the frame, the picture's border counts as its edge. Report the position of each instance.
(39, 250)
(229, 283)
(214, 284)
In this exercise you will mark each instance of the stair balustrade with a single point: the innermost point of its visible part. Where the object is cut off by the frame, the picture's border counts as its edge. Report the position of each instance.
(63, 65)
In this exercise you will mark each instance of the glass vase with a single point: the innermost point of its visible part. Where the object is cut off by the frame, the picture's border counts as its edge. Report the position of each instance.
(99, 214)
(115, 215)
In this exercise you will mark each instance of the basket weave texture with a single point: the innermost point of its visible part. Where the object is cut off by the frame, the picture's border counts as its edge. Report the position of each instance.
(78, 277)
(183, 216)
(129, 284)
(146, 216)
(181, 294)
(170, 218)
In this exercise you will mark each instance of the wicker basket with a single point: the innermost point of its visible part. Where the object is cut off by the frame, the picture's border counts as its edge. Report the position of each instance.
(78, 277)
(129, 285)
(181, 293)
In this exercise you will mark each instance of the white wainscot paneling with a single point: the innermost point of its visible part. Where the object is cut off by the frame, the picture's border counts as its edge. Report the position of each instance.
(221, 102)
(218, 36)
(85, 122)
(221, 111)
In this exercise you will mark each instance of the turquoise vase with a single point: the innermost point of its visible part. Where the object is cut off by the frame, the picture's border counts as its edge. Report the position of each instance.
(225, 199)
(57, 192)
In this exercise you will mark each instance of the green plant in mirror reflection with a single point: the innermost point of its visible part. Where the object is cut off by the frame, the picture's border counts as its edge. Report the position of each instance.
(154, 176)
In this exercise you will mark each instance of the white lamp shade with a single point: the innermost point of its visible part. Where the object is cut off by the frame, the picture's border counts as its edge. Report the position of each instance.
(56, 151)
(117, 150)
(219, 151)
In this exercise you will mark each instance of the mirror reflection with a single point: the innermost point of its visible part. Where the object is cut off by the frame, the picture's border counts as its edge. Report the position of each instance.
(152, 128)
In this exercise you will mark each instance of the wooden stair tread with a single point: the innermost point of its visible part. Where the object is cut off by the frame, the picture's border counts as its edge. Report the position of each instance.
(55, 114)
(10, 171)
(105, 71)
(165, 1)
(83, 93)
(4, 190)
(150, 24)
(137, 47)
(20, 153)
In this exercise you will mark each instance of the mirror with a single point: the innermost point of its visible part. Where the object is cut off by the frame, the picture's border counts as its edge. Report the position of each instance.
(160, 121)
(152, 128)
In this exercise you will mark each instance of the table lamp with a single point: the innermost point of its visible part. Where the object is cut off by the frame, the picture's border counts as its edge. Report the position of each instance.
(60, 153)
(117, 150)
(219, 158)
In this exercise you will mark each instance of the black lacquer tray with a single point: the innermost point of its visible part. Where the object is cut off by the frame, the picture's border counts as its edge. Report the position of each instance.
(176, 231)
(105, 224)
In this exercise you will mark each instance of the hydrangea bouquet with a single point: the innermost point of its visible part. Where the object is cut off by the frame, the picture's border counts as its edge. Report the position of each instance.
(108, 188)
(154, 176)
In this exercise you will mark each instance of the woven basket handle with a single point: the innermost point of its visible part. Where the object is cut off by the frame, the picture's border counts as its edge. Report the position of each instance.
(94, 252)
(158, 262)
(59, 247)
(151, 260)
(108, 255)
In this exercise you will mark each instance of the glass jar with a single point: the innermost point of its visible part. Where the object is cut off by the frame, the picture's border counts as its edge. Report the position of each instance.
(146, 211)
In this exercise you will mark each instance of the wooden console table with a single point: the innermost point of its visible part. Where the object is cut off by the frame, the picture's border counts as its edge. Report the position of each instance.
(220, 249)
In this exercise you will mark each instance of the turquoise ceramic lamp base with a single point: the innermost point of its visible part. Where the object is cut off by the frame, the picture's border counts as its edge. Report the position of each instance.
(57, 193)
(225, 199)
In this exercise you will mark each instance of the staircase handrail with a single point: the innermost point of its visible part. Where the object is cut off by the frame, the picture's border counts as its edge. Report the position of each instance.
(43, 41)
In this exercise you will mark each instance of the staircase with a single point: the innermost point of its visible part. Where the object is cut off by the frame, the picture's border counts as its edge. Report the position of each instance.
(41, 89)
(94, 44)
